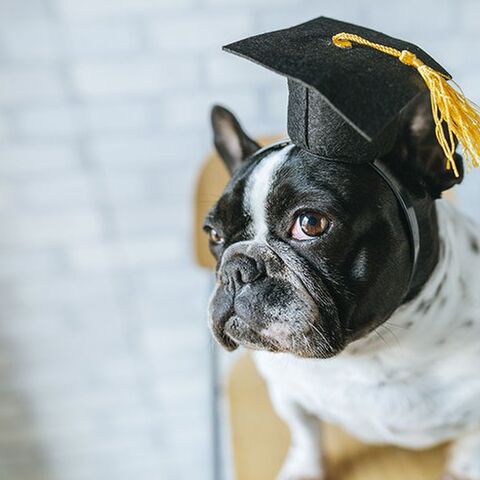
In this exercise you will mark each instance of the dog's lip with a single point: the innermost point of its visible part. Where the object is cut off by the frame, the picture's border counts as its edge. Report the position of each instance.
(228, 327)
(227, 331)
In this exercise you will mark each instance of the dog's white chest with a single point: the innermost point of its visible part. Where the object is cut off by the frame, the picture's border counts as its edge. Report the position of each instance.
(377, 403)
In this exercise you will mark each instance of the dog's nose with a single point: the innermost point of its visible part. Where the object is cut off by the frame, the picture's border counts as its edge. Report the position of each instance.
(241, 270)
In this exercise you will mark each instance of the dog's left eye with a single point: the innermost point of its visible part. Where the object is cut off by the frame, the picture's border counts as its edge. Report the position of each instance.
(308, 225)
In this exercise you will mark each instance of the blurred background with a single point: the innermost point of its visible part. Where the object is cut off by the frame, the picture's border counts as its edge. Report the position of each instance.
(104, 350)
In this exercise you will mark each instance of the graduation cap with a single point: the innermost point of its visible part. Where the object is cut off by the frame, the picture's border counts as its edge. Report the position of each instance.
(348, 85)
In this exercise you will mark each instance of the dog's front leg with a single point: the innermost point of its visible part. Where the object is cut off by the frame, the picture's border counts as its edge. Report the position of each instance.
(304, 458)
(464, 461)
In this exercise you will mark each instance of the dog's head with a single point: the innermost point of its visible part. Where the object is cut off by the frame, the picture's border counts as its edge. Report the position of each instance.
(313, 254)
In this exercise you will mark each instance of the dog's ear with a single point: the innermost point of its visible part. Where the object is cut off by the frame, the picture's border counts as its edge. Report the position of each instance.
(231, 142)
(417, 155)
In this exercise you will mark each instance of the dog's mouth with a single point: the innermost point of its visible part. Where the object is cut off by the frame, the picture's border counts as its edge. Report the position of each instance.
(302, 340)
(278, 312)
(238, 332)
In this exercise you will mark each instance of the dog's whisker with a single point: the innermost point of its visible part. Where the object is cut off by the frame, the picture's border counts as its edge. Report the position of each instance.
(395, 325)
(381, 337)
(392, 333)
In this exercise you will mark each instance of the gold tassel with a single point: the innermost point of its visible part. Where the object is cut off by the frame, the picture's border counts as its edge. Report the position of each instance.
(450, 108)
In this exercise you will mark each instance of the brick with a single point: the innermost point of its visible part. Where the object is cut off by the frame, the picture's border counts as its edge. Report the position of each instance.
(470, 81)
(116, 8)
(4, 128)
(70, 121)
(244, 104)
(147, 76)
(125, 254)
(470, 16)
(454, 54)
(64, 290)
(21, 9)
(50, 229)
(19, 263)
(33, 320)
(276, 101)
(31, 41)
(285, 17)
(87, 401)
(175, 309)
(36, 158)
(126, 188)
(173, 301)
(201, 32)
(117, 370)
(469, 195)
(170, 186)
(267, 4)
(129, 153)
(29, 85)
(150, 191)
(75, 352)
(114, 117)
(57, 192)
(184, 364)
(156, 151)
(167, 339)
(93, 39)
(47, 122)
(230, 71)
(147, 218)
(401, 23)
(267, 126)
(23, 432)
(97, 446)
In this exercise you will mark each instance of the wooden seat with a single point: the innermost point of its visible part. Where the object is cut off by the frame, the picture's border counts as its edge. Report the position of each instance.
(259, 438)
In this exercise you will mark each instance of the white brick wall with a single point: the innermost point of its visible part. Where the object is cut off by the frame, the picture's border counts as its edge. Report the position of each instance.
(72, 9)
(104, 108)
(24, 84)
(147, 76)
(32, 158)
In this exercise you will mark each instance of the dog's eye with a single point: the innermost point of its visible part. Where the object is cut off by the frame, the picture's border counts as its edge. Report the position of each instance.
(215, 237)
(308, 225)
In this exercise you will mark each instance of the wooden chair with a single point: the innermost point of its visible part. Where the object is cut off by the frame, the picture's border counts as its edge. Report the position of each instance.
(259, 438)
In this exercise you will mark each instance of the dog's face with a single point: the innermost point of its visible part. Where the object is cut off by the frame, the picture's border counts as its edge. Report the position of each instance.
(311, 254)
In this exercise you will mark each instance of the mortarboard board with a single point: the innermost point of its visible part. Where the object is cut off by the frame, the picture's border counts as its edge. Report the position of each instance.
(346, 91)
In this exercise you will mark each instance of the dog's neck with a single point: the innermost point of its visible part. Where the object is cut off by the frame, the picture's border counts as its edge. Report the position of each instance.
(427, 322)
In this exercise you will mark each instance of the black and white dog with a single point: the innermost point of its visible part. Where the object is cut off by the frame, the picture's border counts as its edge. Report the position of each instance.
(313, 273)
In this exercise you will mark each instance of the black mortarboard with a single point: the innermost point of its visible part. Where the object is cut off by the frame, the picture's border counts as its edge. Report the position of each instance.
(344, 102)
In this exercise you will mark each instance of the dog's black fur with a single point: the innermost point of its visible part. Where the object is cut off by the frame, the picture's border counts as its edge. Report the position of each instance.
(346, 282)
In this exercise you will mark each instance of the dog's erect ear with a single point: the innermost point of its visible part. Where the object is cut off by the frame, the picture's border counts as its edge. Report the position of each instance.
(231, 142)
(417, 155)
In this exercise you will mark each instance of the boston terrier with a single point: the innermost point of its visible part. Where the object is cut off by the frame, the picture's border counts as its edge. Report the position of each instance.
(314, 274)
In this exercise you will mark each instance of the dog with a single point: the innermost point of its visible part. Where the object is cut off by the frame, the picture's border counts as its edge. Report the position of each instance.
(314, 275)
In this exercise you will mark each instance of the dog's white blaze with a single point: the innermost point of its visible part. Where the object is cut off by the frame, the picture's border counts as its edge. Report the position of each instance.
(258, 187)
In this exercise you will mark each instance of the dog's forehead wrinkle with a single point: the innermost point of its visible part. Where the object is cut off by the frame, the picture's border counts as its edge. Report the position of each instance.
(259, 185)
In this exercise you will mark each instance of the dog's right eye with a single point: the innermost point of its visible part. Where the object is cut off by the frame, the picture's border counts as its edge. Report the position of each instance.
(214, 236)
(309, 225)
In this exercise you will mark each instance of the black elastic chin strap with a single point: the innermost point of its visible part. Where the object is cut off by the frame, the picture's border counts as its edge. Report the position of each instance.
(272, 146)
(406, 204)
(401, 195)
